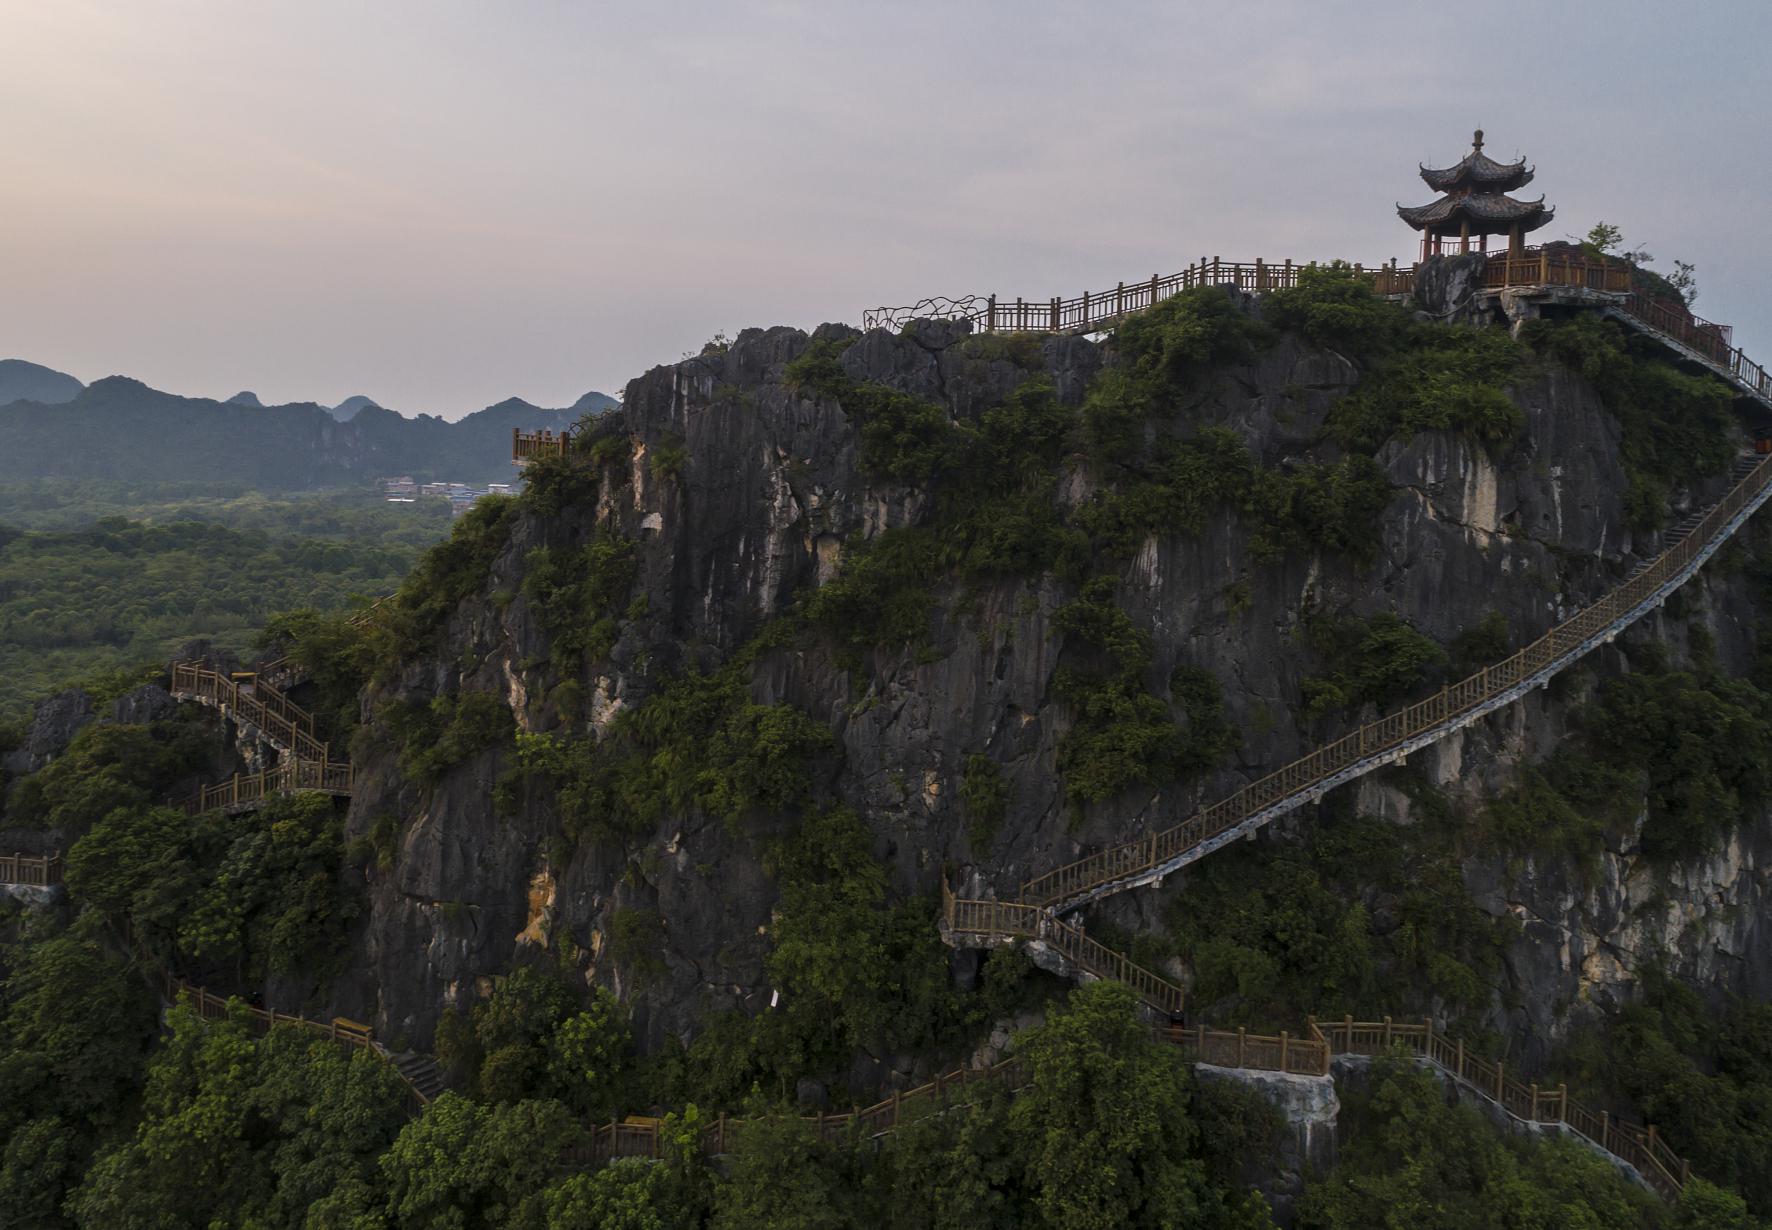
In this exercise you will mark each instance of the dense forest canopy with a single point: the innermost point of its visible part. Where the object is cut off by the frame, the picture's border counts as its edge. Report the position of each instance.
(120, 593)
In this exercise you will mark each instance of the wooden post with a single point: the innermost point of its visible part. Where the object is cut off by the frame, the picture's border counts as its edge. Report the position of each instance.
(1562, 1102)
(1241, 1042)
(1534, 1095)
(895, 1103)
(1606, 1129)
(990, 313)
(1154, 280)
(1387, 1033)
(1055, 313)
(1284, 1047)
(1201, 1044)
(1460, 1072)
(1501, 1081)
(1347, 1032)
(1120, 299)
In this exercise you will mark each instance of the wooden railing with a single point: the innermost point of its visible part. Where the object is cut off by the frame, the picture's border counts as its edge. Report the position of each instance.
(1382, 741)
(1016, 920)
(1533, 267)
(1641, 1147)
(39, 870)
(526, 445)
(1101, 308)
(1305, 1054)
(288, 727)
(306, 762)
(250, 789)
(1712, 341)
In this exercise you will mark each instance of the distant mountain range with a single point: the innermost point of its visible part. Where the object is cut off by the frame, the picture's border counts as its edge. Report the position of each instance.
(52, 426)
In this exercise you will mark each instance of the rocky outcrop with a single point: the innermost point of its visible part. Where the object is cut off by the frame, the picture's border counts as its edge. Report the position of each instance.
(1311, 1110)
(55, 720)
(766, 503)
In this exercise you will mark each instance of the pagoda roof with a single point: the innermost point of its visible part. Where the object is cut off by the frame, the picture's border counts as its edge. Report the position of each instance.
(1476, 171)
(1486, 212)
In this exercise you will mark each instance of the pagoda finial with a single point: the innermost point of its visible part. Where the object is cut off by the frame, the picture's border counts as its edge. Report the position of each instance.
(1477, 140)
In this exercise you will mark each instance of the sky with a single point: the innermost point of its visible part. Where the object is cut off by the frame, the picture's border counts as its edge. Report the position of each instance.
(443, 203)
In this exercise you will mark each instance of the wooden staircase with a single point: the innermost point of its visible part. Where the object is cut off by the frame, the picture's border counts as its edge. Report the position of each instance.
(305, 762)
(421, 1074)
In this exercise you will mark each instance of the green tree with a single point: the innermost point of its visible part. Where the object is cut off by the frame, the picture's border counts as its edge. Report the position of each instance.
(463, 1165)
(1104, 1124)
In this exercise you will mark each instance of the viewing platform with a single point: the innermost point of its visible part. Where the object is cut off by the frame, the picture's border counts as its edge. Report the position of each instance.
(528, 445)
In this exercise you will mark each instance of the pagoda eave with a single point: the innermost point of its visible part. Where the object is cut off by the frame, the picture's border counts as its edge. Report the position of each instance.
(1477, 215)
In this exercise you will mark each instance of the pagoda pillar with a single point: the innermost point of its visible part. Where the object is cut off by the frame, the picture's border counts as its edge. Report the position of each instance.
(1464, 238)
(1516, 242)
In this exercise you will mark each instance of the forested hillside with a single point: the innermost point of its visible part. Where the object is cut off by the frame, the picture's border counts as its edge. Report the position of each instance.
(659, 770)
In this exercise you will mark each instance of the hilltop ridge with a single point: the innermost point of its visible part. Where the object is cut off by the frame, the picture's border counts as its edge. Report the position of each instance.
(121, 429)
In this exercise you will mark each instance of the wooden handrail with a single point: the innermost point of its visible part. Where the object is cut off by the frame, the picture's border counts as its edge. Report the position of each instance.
(288, 727)
(33, 870)
(1640, 1147)
(1006, 920)
(245, 790)
(527, 445)
(1387, 738)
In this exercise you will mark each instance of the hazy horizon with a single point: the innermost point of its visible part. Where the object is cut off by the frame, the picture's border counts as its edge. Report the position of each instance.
(441, 205)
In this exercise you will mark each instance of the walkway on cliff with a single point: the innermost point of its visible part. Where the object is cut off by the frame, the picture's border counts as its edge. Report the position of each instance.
(1389, 739)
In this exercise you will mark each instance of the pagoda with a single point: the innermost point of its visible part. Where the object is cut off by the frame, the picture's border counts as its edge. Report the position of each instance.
(1476, 203)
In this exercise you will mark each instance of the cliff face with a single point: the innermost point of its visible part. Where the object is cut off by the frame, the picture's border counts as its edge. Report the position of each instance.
(741, 492)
